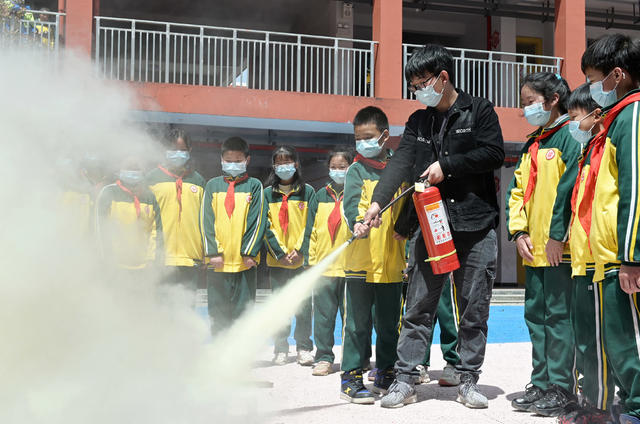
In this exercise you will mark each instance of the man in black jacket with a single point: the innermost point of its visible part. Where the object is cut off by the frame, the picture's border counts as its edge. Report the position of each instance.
(456, 144)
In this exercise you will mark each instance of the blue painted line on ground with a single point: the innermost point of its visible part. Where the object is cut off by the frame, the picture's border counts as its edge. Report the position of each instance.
(506, 325)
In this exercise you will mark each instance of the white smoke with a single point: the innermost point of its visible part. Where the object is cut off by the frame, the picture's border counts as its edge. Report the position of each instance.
(80, 345)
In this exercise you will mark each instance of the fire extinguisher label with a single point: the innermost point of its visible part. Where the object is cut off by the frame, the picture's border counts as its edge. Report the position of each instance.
(438, 222)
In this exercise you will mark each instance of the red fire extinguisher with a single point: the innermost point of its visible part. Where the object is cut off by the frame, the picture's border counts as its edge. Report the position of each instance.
(435, 230)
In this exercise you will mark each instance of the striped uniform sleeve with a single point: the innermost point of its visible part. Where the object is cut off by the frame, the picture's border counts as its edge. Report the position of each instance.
(156, 238)
(626, 137)
(256, 222)
(517, 222)
(276, 248)
(207, 224)
(312, 208)
(561, 216)
(352, 198)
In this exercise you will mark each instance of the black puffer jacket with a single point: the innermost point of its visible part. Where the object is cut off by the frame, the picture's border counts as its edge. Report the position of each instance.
(469, 147)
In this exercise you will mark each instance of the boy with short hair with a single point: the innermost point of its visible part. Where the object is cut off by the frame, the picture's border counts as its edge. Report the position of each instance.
(232, 221)
(373, 265)
(609, 208)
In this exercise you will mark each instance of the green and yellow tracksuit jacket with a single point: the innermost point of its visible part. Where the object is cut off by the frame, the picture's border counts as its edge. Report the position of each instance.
(581, 256)
(180, 201)
(328, 220)
(297, 215)
(615, 213)
(378, 257)
(238, 233)
(538, 200)
(78, 203)
(129, 232)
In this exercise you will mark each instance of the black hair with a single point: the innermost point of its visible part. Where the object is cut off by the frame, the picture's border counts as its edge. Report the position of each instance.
(371, 114)
(431, 58)
(345, 152)
(581, 99)
(290, 152)
(547, 84)
(175, 134)
(235, 144)
(612, 51)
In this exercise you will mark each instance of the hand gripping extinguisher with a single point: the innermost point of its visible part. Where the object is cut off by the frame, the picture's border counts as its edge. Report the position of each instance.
(435, 229)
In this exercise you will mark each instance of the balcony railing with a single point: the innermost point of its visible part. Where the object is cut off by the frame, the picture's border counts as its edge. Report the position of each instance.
(164, 52)
(493, 75)
(35, 29)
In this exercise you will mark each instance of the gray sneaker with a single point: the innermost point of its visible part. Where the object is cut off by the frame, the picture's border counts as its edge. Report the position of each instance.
(469, 395)
(423, 377)
(399, 394)
(449, 376)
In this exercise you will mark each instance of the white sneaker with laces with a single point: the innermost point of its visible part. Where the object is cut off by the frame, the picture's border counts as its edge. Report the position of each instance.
(305, 358)
(280, 358)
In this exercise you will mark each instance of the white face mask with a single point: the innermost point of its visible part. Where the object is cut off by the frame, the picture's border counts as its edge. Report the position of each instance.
(536, 115)
(428, 95)
(234, 168)
(580, 135)
(338, 175)
(369, 148)
(603, 98)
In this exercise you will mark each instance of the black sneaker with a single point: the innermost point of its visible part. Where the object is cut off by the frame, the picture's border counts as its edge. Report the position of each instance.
(353, 390)
(384, 380)
(554, 402)
(525, 402)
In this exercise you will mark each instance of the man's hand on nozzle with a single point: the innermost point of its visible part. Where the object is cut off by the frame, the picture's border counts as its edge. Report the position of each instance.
(433, 174)
(361, 230)
(372, 217)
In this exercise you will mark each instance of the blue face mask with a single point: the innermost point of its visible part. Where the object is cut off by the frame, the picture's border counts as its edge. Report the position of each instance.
(234, 168)
(536, 115)
(581, 136)
(285, 172)
(603, 98)
(428, 95)
(338, 175)
(177, 158)
(131, 178)
(369, 148)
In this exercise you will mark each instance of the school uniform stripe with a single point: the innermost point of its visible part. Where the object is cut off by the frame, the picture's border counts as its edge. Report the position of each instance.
(454, 302)
(254, 236)
(632, 225)
(602, 362)
(634, 315)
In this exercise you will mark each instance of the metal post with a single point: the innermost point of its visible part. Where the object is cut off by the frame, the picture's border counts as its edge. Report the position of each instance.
(335, 66)
(463, 79)
(57, 36)
(298, 64)
(167, 49)
(133, 50)
(372, 65)
(404, 64)
(98, 31)
(201, 55)
(266, 67)
(490, 96)
(233, 59)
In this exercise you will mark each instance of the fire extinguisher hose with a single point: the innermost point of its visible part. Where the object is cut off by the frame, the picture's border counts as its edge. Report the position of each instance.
(437, 258)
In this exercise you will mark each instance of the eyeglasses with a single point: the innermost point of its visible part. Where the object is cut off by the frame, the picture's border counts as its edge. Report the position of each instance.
(419, 86)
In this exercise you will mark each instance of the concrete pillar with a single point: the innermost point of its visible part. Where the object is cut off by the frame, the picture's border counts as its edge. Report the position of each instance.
(570, 39)
(387, 31)
(78, 24)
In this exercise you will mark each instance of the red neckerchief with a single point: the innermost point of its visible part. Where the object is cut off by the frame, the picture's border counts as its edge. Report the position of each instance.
(335, 216)
(136, 201)
(370, 162)
(178, 187)
(230, 198)
(533, 153)
(598, 143)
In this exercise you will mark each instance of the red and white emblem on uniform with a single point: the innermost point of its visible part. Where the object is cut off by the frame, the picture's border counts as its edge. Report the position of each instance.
(301, 206)
(194, 189)
(550, 154)
(249, 198)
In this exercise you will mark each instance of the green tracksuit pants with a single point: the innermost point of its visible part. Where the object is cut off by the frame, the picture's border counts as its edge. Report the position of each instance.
(229, 294)
(621, 322)
(546, 312)
(280, 277)
(598, 386)
(328, 299)
(360, 297)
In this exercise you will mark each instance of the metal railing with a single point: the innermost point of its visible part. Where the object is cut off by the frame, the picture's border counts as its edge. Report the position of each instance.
(35, 28)
(165, 52)
(493, 75)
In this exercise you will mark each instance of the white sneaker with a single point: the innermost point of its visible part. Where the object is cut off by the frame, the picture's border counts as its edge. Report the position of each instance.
(280, 358)
(423, 378)
(322, 368)
(305, 357)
